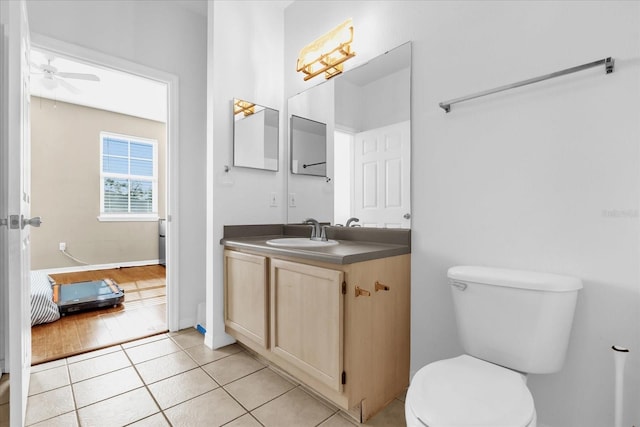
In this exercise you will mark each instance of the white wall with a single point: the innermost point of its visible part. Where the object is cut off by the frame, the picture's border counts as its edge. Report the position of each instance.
(172, 39)
(542, 178)
(245, 61)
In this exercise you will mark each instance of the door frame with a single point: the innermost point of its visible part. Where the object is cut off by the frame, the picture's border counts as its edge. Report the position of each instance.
(98, 58)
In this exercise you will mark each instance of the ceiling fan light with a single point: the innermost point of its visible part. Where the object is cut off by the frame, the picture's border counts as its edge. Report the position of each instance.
(49, 83)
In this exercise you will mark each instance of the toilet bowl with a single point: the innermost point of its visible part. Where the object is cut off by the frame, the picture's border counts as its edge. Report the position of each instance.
(466, 391)
(511, 323)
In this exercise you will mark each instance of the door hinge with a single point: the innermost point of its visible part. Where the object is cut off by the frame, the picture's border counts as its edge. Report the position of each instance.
(344, 377)
(344, 288)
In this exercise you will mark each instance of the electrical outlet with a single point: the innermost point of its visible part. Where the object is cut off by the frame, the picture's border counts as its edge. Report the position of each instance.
(292, 200)
(273, 200)
(62, 246)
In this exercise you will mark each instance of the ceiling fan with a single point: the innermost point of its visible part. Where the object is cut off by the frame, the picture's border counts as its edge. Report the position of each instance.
(52, 78)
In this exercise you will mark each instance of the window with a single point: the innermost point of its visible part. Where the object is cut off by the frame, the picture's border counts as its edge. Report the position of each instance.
(129, 178)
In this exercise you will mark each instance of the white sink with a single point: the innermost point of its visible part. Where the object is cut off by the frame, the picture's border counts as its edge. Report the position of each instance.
(301, 242)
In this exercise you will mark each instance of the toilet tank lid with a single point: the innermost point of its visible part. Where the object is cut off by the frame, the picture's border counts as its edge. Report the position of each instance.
(515, 278)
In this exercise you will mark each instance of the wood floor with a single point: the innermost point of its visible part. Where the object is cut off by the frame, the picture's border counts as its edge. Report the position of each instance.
(142, 314)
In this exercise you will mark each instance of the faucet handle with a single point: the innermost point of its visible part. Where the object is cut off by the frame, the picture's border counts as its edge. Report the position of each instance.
(323, 236)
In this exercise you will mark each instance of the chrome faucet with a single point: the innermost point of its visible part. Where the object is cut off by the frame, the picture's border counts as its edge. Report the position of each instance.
(317, 232)
(352, 219)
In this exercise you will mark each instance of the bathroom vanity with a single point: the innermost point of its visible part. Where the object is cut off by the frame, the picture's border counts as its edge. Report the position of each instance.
(336, 318)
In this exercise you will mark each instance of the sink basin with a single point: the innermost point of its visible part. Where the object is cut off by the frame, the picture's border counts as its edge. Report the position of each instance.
(301, 242)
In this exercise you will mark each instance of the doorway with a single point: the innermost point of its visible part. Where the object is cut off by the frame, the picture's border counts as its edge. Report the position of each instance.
(98, 261)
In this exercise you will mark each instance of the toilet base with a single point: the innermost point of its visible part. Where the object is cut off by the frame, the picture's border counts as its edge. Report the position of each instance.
(413, 421)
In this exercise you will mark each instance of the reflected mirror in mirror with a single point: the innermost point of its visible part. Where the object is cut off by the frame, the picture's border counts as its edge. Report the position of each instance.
(308, 147)
(255, 136)
(368, 116)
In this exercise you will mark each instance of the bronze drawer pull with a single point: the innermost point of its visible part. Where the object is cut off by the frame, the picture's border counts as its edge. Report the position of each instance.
(362, 292)
(381, 287)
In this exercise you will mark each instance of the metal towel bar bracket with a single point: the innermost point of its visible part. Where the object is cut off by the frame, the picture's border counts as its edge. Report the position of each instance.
(607, 62)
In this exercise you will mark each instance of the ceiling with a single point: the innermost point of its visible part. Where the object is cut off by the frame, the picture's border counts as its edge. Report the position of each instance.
(116, 91)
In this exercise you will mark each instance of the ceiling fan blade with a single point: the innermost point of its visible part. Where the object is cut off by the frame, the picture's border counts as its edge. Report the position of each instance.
(80, 76)
(67, 86)
(39, 67)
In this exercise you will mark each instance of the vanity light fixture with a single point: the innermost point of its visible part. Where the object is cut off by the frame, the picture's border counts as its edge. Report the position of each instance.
(327, 53)
(246, 107)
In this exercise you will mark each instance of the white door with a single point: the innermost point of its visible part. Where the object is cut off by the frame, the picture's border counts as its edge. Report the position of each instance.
(382, 159)
(16, 186)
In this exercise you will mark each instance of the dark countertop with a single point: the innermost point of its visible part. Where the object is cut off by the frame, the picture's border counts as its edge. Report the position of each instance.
(370, 244)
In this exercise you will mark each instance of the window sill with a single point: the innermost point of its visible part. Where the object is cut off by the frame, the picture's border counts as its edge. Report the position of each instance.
(128, 218)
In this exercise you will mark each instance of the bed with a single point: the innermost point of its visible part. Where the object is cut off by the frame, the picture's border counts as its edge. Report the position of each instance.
(43, 308)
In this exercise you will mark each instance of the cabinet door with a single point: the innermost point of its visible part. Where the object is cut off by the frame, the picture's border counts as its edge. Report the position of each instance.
(246, 295)
(307, 319)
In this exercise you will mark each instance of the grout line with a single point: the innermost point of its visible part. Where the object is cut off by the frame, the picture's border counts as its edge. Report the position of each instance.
(146, 387)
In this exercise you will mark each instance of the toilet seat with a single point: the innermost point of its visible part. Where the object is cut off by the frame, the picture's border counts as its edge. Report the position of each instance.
(466, 391)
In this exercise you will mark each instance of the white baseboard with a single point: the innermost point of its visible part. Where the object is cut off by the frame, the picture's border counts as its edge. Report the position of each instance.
(78, 268)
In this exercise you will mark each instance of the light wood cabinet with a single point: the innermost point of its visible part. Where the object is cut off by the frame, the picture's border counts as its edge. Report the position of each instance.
(342, 330)
(246, 296)
(307, 319)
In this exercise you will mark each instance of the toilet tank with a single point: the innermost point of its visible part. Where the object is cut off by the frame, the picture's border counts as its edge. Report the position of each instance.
(517, 319)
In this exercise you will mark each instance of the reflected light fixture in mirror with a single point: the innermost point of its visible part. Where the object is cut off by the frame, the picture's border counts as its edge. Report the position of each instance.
(243, 107)
(327, 53)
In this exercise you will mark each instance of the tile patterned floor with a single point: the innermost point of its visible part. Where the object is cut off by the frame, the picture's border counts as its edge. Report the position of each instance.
(174, 380)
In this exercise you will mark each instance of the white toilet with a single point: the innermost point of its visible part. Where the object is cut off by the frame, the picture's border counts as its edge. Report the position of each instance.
(511, 323)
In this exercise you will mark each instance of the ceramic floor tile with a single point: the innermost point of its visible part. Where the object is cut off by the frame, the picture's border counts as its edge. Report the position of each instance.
(96, 366)
(258, 388)
(232, 368)
(48, 380)
(182, 387)
(391, 416)
(92, 354)
(203, 354)
(154, 349)
(146, 340)
(212, 409)
(244, 421)
(49, 404)
(48, 365)
(339, 420)
(105, 386)
(4, 389)
(166, 366)
(188, 339)
(157, 420)
(70, 419)
(120, 410)
(295, 408)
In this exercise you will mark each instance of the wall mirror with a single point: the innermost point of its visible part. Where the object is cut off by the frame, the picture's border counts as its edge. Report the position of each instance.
(255, 136)
(367, 113)
(308, 147)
